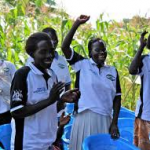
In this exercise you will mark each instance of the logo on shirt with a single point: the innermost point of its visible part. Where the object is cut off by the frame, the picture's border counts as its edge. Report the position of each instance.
(110, 77)
(62, 66)
(6, 69)
(17, 95)
(40, 90)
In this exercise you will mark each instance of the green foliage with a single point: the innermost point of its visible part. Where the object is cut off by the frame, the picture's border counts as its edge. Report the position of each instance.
(20, 18)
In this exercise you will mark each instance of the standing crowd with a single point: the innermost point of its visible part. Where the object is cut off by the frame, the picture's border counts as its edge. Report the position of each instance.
(34, 97)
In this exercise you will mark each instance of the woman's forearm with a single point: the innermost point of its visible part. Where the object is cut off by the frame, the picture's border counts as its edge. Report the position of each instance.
(135, 64)
(68, 39)
(30, 109)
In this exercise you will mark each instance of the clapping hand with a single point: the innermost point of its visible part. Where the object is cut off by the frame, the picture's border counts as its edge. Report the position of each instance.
(64, 119)
(56, 90)
(71, 96)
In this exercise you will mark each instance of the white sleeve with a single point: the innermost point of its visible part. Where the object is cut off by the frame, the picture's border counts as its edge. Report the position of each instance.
(13, 70)
(11, 67)
(67, 73)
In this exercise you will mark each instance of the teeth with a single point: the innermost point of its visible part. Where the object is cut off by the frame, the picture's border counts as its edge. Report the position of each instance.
(47, 62)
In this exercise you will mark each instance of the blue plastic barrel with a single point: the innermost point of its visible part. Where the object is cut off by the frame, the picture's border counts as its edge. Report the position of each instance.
(126, 109)
(104, 142)
(66, 137)
(126, 114)
(126, 128)
(69, 108)
(123, 108)
(5, 135)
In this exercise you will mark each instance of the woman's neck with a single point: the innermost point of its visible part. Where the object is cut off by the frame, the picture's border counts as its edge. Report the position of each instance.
(43, 70)
(99, 65)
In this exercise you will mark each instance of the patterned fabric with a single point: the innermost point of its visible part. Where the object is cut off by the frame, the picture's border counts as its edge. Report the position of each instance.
(141, 134)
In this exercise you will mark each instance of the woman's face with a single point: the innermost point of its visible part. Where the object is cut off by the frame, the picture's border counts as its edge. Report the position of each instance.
(44, 55)
(99, 53)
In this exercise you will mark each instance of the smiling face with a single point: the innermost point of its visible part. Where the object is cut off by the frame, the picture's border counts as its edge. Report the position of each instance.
(98, 52)
(44, 55)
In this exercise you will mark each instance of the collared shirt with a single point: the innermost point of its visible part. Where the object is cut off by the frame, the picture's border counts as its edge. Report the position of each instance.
(37, 131)
(143, 104)
(7, 70)
(60, 67)
(98, 86)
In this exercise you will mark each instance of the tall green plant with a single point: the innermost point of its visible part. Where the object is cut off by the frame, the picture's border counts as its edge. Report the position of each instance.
(20, 18)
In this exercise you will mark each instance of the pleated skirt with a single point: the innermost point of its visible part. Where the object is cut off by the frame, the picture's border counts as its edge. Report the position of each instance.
(85, 124)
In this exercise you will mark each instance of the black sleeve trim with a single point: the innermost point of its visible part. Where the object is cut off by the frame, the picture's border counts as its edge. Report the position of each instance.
(18, 91)
(118, 87)
(76, 57)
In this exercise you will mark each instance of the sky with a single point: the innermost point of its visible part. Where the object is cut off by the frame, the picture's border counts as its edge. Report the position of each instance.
(113, 9)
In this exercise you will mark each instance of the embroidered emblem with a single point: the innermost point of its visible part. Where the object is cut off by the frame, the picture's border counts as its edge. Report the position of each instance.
(17, 95)
(110, 77)
(62, 66)
(40, 90)
(6, 69)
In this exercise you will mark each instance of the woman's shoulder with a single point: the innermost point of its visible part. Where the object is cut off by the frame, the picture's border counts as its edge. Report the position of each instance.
(85, 62)
(110, 67)
(52, 73)
(23, 71)
(145, 57)
(8, 63)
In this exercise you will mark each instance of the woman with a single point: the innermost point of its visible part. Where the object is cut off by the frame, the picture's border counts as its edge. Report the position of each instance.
(34, 95)
(7, 70)
(140, 65)
(99, 86)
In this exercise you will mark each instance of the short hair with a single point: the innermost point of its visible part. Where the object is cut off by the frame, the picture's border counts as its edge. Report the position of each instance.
(51, 30)
(33, 40)
(92, 41)
(148, 42)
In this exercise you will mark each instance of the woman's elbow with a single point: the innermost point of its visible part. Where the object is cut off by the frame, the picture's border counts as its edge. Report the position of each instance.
(17, 114)
(132, 71)
(67, 51)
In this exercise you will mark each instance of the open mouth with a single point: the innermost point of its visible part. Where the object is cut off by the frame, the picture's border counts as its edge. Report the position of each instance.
(47, 62)
(101, 57)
